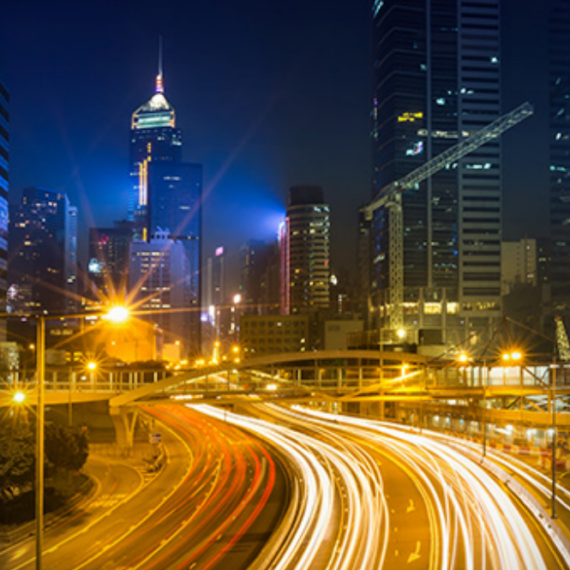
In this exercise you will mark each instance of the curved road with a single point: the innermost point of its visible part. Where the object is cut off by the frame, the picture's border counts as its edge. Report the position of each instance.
(375, 496)
(213, 505)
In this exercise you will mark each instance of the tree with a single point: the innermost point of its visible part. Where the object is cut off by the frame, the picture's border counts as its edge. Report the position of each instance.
(64, 449)
(17, 459)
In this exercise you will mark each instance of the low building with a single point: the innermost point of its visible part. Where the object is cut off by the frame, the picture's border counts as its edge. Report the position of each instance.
(337, 331)
(273, 334)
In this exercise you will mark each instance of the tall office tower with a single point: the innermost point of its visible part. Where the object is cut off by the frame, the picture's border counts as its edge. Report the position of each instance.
(519, 264)
(71, 260)
(41, 252)
(215, 309)
(175, 203)
(167, 194)
(305, 252)
(215, 293)
(4, 167)
(437, 80)
(108, 267)
(154, 138)
(260, 277)
(559, 111)
(157, 275)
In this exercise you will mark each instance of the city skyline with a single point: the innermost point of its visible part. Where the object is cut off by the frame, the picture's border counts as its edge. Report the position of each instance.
(272, 131)
(258, 123)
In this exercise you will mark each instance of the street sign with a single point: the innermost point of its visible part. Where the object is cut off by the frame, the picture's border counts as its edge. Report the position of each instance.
(155, 438)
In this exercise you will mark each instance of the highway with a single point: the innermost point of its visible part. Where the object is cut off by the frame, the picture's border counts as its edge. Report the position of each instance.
(392, 497)
(213, 506)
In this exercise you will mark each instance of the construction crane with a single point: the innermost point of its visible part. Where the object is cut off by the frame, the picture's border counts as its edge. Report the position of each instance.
(391, 197)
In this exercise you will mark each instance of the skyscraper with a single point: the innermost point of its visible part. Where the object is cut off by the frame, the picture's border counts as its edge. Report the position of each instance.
(154, 138)
(260, 277)
(108, 267)
(559, 138)
(42, 252)
(305, 252)
(437, 80)
(167, 196)
(4, 168)
(158, 269)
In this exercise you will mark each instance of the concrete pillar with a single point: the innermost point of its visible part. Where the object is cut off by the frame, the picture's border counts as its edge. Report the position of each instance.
(124, 421)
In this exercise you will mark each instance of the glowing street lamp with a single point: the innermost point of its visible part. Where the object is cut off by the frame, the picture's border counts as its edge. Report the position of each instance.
(117, 314)
(463, 358)
(91, 366)
(401, 334)
(513, 356)
(19, 397)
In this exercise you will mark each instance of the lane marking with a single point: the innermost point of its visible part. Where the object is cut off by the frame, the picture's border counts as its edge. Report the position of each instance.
(415, 555)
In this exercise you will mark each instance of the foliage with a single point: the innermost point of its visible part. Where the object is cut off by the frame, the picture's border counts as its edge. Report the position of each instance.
(17, 458)
(65, 449)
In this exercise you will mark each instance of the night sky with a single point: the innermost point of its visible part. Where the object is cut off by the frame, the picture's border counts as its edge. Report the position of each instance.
(268, 94)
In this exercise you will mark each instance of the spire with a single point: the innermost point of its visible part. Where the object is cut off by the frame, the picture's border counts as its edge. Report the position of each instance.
(159, 85)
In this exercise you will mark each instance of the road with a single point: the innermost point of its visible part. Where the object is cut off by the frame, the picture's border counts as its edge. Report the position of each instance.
(391, 498)
(215, 503)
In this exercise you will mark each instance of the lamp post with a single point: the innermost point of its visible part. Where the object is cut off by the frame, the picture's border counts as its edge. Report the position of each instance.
(554, 438)
(40, 372)
(115, 314)
(484, 411)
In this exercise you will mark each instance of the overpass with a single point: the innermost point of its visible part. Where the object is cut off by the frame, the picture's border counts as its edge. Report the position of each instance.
(367, 379)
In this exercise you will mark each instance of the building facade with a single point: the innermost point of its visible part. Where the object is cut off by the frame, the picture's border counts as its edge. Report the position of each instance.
(437, 80)
(108, 267)
(43, 252)
(260, 277)
(519, 264)
(305, 252)
(154, 138)
(167, 195)
(274, 334)
(158, 283)
(4, 170)
(559, 143)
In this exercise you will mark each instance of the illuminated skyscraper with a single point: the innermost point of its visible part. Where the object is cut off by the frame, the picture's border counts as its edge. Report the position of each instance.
(559, 118)
(167, 195)
(154, 138)
(108, 267)
(158, 269)
(305, 252)
(43, 252)
(4, 162)
(436, 80)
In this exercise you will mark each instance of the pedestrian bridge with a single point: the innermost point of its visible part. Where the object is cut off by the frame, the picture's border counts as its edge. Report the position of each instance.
(349, 375)
(354, 377)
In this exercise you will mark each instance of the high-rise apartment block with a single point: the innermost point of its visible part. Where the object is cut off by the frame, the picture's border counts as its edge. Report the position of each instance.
(436, 81)
(4, 168)
(43, 252)
(305, 252)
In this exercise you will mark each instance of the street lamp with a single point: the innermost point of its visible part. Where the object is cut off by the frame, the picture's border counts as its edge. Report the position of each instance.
(116, 314)
(19, 397)
(554, 436)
